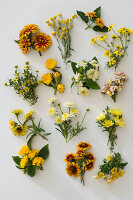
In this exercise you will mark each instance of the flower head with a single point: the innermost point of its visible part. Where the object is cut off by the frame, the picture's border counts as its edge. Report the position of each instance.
(52, 111)
(58, 120)
(91, 14)
(70, 158)
(65, 116)
(93, 40)
(20, 130)
(50, 63)
(110, 27)
(56, 74)
(89, 156)
(74, 112)
(47, 79)
(24, 44)
(24, 151)
(100, 117)
(69, 104)
(115, 111)
(38, 161)
(101, 175)
(17, 112)
(28, 29)
(11, 123)
(89, 166)
(52, 100)
(83, 91)
(24, 161)
(114, 170)
(29, 114)
(42, 42)
(107, 53)
(109, 158)
(99, 22)
(83, 145)
(112, 61)
(119, 121)
(73, 169)
(60, 88)
(103, 37)
(108, 123)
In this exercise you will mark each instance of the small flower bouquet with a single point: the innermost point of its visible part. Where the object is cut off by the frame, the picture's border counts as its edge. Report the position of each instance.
(114, 85)
(62, 32)
(64, 118)
(112, 168)
(77, 164)
(117, 48)
(109, 120)
(31, 160)
(86, 75)
(25, 84)
(93, 20)
(53, 79)
(31, 37)
(27, 127)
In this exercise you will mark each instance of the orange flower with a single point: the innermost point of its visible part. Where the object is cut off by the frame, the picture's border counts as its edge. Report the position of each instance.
(24, 44)
(83, 145)
(28, 29)
(73, 169)
(70, 157)
(90, 157)
(99, 22)
(42, 42)
(92, 14)
(47, 78)
(89, 166)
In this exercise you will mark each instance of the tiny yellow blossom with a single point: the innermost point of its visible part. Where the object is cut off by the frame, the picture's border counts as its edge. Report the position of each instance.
(93, 40)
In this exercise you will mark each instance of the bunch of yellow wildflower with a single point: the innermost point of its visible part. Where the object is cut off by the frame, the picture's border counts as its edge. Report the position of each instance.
(62, 29)
(109, 120)
(30, 37)
(64, 118)
(79, 163)
(31, 160)
(53, 79)
(111, 169)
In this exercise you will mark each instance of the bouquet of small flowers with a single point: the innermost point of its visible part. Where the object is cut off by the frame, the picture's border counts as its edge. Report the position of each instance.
(93, 20)
(25, 84)
(27, 127)
(53, 79)
(64, 118)
(114, 85)
(62, 32)
(109, 120)
(77, 164)
(112, 168)
(117, 48)
(86, 75)
(31, 37)
(31, 160)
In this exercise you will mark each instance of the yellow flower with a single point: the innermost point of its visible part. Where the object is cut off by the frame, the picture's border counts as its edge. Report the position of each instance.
(38, 161)
(50, 63)
(83, 146)
(112, 61)
(47, 78)
(52, 111)
(29, 114)
(24, 44)
(27, 89)
(100, 117)
(119, 121)
(99, 22)
(92, 14)
(114, 170)
(101, 175)
(124, 30)
(28, 29)
(93, 40)
(20, 130)
(5, 83)
(73, 111)
(59, 15)
(23, 161)
(54, 33)
(107, 53)
(118, 46)
(70, 157)
(65, 116)
(17, 112)
(27, 67)
(109, 158)
(73, 169)
(56, 74)
(60, 88)
(108, 123)
(32, 153)
(89, 166)
(115, 111)
(120, 173)
(39, 82)
(118, 53)
(114, 36)
(24, 151)
(58, 120)
(110, 27)
(21, 92)
(103, 37)
(11, 123)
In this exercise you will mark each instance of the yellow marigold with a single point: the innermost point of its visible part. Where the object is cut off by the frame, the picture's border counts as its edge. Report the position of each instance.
(107, 53)
(47, 79)
(99, 22)
(20, 130)
(73, 169)
(83, 145)
(28, 29)
(100, 117)
(24, 44)
(32, 154)
(108, 123)
(24, 161)
(56, 74)
(17, 112)
(103, 37)
(110, 27)
(24, 151)
(70, 157)
(115, 111)
(50, 63)
(11, 123)
(38, 161)
(60, 88)
(42, 41)
(112, 61)
(119, 121)
(29, 114)
(93, 40)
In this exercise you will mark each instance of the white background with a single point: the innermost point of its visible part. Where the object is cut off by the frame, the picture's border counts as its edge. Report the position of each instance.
(53, 183)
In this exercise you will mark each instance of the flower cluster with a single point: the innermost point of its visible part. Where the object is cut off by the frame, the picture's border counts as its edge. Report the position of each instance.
(31, 160)
(114, 85)
(93, 20)
(53, 79)
(20, 128)
(112, 168)
(25, 83)
(62, 32)
(86, 75)
(64, 118)
(30, 37)
(109, 120)
(117, 48)
(77, 164)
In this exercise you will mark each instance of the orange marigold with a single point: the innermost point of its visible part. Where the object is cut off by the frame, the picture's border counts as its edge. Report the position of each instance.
(99, 22)
(28, 29)
(42, 42)
(24, 44)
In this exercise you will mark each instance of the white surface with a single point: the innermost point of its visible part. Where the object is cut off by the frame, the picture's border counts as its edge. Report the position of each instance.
(53, 183)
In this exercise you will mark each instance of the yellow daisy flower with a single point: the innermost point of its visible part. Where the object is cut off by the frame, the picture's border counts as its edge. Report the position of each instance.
(115, 111)
(65, 116)
(103, 37)
(58, 120)
(107, 53)
(119, 121)
(100, 117)
(11, 123)
(20, 130)
(17, 112)
(52, 111)
(112, 61)
(73, 169)
(110, 27)
(93, 40)
(108, 123)
(29, 114)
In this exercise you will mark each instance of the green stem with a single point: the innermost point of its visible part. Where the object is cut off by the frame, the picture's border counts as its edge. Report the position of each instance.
(101, 46)
(83, 118)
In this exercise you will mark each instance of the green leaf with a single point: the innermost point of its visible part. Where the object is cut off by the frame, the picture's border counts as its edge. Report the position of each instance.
(16, 159)
(44, 152)
(31, 170)
(98, 11)
(98, 29)
(17, 41)
(30, 140)
(72, 84)
(91, 84)
(82, 16)
(95, 58)
(73, 64)
(46, 134)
